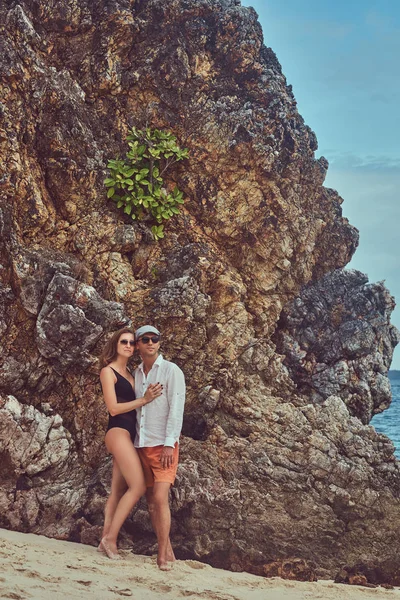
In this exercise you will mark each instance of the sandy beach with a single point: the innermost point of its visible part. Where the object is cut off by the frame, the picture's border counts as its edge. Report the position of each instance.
(38, 568)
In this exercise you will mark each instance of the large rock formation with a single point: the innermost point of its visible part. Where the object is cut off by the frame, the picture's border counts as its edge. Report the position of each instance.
(278, 460)
(337, 339)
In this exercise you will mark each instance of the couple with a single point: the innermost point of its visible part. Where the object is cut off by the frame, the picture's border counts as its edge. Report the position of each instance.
(145, 421)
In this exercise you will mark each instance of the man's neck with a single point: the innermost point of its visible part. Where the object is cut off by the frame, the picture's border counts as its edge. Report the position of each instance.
(148, 363)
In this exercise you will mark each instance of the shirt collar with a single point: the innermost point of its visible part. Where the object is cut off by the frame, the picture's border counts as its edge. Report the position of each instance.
(156, 362)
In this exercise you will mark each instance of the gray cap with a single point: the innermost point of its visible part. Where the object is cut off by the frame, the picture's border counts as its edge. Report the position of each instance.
(145, 329)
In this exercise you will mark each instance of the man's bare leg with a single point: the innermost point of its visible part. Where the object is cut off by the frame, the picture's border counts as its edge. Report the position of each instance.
(160, 515)
(151, 507)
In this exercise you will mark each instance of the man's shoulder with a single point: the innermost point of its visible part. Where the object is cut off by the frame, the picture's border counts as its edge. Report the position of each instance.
(171, 367)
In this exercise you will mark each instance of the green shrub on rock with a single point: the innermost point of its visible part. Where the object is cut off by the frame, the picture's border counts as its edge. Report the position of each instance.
(136, 182)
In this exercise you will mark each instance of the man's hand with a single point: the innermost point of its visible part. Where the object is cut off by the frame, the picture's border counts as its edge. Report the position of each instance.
(167, 457)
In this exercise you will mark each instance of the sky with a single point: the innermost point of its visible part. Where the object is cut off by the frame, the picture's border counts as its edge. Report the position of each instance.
(342, 58)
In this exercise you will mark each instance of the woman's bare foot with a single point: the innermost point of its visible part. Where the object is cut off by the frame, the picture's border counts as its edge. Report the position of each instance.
(171, 557)
(110, 548)
(170, 553)
(164, 566)
(100, 548)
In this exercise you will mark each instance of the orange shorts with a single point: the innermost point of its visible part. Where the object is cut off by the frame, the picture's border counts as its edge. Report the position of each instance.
(152, 469)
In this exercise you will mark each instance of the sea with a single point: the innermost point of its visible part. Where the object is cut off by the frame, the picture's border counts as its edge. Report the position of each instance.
(388, 422)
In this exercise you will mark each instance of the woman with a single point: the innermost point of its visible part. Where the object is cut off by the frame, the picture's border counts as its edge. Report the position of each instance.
(127, 484)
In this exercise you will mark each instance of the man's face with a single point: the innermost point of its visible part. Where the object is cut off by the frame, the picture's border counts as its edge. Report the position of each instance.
(148, 345)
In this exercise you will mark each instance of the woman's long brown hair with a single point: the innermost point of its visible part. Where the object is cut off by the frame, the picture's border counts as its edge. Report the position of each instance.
(110, 349)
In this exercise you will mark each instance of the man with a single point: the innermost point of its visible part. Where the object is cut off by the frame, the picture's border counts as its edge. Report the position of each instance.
(158, 426)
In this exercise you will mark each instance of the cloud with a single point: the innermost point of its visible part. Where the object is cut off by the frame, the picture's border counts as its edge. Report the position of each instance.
(348, 160)
(383, 98)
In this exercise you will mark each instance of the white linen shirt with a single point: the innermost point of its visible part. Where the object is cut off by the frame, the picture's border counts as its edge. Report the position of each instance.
(159, 423)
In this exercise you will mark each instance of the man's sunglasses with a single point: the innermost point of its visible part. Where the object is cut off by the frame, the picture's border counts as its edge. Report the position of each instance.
(155, 339)
(126, 342)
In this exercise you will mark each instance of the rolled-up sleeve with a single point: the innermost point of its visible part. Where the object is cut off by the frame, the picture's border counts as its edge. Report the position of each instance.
(176, 394)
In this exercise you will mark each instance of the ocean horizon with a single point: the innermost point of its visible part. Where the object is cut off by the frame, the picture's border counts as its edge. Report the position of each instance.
(388, 422)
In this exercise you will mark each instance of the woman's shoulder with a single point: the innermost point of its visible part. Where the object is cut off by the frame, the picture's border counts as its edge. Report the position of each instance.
(107, 371)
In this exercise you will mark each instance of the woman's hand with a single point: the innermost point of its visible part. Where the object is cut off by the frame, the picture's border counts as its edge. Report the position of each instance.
(153, 391)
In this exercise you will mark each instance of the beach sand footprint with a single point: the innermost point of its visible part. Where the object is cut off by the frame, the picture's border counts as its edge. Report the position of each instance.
(121, 592)
(195, 564)
(164, 588)
(14, 596)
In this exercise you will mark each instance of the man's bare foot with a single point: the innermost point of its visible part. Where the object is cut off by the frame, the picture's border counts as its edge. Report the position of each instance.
(164, 566)
(110, 548)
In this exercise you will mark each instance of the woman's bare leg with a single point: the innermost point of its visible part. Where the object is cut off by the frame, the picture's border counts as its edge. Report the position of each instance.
(119, 443)
(118, 488)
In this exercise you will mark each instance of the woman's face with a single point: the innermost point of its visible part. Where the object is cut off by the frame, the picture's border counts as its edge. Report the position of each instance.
(126, 345)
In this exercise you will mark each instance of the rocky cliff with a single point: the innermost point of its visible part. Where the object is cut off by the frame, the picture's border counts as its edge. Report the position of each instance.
(285, 354)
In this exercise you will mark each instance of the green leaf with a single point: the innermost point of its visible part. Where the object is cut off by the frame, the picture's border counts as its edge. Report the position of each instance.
(128, 183)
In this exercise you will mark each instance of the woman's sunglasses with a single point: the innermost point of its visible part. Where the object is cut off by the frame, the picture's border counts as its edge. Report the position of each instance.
(155, 339)
(126, 342)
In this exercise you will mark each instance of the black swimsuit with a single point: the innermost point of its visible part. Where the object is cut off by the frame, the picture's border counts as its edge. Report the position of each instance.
(125, 393)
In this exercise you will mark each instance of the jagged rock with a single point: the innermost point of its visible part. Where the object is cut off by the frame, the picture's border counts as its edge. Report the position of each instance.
(71, 321)
(35, 450)
(337, 339)
(296, 568)
(33, 273)
(271, 469)
(380, 572)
